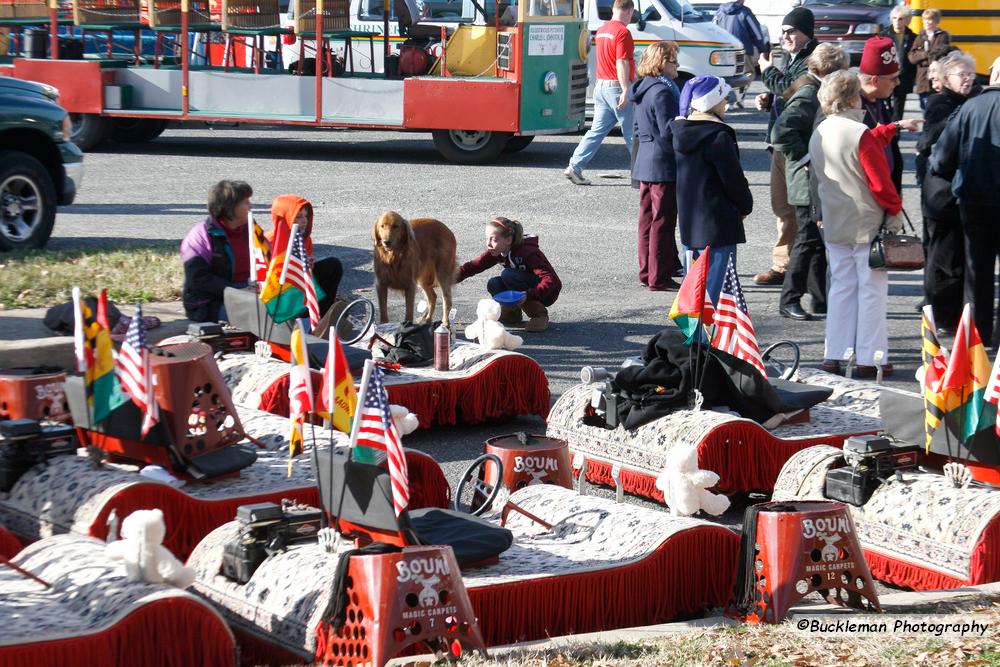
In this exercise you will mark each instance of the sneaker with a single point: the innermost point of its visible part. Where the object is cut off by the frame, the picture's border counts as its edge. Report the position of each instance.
(576, 176)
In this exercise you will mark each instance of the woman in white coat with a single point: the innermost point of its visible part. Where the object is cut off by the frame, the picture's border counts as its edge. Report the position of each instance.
(857, 196)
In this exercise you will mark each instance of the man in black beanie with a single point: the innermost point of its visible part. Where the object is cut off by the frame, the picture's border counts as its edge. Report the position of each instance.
(797, 40)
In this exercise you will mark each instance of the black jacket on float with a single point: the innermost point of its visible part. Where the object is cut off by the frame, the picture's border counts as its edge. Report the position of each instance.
(713, 195)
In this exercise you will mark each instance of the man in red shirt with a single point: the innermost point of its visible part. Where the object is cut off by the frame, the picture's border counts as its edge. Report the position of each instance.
(615, 70)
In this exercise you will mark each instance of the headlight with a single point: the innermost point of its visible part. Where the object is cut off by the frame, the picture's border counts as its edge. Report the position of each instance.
(866, 28)
(550, 83)
(722, 58)
(584, 45)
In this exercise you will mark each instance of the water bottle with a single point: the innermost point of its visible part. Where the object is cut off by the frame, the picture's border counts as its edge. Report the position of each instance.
(442, 348)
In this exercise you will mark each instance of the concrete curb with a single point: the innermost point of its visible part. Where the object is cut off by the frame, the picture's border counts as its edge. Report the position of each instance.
(25, 342)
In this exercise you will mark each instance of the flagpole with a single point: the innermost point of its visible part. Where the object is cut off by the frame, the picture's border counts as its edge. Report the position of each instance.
(331, 406)
(250, 245)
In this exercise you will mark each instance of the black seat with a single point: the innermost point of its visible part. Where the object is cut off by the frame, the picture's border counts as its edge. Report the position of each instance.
(247, 312)
(358, 497)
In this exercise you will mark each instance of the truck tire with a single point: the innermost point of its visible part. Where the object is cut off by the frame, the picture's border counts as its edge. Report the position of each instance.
(89, 129)
(470, 146)
(518, 144)
(27, 202)
(137, 130)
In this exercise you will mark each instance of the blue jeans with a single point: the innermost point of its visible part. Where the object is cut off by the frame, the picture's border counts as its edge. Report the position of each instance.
(606, 116)
(522, 281)
(718, 259)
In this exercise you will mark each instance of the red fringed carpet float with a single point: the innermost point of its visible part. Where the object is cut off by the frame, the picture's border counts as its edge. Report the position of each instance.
(481, 385)
(93, 616)
(602, 566)
(70, 495)
(745, 455)
(922, 533)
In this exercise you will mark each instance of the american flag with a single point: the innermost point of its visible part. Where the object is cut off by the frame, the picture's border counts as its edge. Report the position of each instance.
(376, 430)
(733, 329)
(992, 392)
(133, 371)
(296, 271)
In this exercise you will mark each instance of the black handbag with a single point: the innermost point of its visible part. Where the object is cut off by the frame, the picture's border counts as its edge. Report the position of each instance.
(899, 252)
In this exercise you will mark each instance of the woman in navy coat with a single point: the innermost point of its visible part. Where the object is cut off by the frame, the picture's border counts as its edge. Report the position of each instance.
(716, 193)
(656, 98)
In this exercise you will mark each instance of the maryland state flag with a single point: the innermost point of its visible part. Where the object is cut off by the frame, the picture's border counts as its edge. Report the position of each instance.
(693, 301)
(283, 298)
(935, 362)
(965, 379)
(104, 392)
(338, 388)
(300, 402)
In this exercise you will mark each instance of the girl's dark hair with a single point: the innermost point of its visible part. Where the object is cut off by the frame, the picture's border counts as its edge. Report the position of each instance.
(509, 228)
(224, 196)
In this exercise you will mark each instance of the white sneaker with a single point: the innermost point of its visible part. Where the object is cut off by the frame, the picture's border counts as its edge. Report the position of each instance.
(576, 176)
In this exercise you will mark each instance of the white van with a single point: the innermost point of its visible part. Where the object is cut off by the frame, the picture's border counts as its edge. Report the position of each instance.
(705, 48)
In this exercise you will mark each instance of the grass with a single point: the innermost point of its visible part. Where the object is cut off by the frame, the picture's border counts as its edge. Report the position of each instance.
(777, 646)
(131, 272)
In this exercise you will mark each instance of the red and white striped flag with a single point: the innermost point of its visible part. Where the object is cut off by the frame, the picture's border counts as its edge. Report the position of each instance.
(734, 331)
(992, 392)
(377, 431)
(296, 271)
(133, 370)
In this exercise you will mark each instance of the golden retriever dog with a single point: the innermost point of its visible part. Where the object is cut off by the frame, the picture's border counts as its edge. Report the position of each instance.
(410, 253)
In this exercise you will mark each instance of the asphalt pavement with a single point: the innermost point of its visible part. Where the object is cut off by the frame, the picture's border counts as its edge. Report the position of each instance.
(157, 191)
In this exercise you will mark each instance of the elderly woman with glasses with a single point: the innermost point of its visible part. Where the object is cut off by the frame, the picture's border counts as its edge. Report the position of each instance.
(656, 98)
(858, 197)
(944, 275)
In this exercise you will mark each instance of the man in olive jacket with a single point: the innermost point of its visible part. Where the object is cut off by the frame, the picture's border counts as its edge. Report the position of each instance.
(797, 40)
(790, 136)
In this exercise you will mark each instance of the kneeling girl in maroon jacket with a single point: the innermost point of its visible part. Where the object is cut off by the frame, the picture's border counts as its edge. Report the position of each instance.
(525, 269)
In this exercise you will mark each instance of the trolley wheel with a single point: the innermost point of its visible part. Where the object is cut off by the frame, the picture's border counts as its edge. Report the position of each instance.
(470, 146)
(89, 130)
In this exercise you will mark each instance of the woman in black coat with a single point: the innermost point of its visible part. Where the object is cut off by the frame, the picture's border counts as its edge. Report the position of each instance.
(715, 194)
(944, 272)
(656, 99)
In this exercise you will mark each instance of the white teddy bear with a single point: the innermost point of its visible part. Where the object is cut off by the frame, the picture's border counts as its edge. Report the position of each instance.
(141, 547)
(405, 421)
(685, 487)
(488, 331)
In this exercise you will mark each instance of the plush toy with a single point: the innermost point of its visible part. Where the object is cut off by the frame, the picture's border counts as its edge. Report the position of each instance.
(146, 559)
(487, 329)
(685, 487)
(404, 420)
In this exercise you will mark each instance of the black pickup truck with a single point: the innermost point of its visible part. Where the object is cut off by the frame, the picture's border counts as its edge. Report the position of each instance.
(40, 168)
(849, 23)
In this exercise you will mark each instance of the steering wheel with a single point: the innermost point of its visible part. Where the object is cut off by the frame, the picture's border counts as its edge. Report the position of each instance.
(482, 492)
(354, 322)
(781, 359)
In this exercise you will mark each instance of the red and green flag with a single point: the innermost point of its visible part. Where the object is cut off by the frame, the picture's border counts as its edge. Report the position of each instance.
(966, 378)
(104, 392)
(692, 302)
(283, 298)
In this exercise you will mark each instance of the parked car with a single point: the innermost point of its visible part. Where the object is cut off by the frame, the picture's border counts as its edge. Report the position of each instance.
(40, 168)
(849, 23)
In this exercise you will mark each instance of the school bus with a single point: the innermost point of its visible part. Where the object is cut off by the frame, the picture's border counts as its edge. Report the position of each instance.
(974, 26)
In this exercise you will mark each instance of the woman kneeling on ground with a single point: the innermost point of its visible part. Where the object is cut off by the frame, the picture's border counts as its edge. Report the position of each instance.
(216, 253)
(526, 269)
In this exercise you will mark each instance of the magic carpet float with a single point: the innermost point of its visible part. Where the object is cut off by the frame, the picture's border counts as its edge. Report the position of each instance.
(480, 384)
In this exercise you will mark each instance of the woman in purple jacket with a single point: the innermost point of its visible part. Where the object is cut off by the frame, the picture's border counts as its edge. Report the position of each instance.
(525, 269)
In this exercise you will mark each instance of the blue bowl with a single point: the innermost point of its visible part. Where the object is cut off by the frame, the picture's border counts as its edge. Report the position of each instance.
(509, 298)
